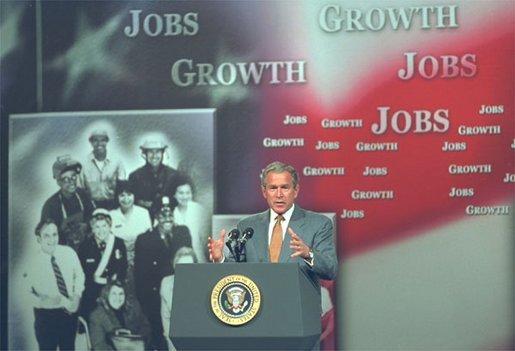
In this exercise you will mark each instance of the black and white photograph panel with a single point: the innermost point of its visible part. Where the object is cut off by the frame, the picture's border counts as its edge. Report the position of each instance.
(97, 179)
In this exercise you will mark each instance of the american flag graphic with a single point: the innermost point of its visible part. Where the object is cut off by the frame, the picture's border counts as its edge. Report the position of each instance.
(425, 246)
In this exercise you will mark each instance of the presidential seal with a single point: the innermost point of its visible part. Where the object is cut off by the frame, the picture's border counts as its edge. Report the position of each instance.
(235, 299)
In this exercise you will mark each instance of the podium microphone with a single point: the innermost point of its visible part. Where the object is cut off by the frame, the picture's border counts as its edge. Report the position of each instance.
(245, 236)
(240, 246)
(233, 239)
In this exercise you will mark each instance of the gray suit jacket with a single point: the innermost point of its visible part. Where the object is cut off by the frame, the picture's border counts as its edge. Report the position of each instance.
(314, 229)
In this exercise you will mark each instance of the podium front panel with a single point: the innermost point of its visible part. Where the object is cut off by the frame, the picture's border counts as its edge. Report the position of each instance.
(288, 318)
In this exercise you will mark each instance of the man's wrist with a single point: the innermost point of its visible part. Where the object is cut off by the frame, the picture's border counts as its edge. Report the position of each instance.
(221, 260)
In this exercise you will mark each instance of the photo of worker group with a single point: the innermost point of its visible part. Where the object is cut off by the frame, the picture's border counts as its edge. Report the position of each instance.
(103, 205)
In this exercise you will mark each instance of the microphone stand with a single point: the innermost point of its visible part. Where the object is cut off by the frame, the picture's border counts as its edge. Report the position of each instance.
(241, 255)
(232, 244)
(234, 251)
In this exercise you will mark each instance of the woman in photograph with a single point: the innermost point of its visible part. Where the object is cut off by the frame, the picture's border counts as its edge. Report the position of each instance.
(129, 221)
(191, 214)
(183, 255)
(117, 322)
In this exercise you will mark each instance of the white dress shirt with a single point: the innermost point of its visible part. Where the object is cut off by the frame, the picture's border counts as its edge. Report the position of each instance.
(41, 281)
(166, 292)
(284, 226)
(284, 223)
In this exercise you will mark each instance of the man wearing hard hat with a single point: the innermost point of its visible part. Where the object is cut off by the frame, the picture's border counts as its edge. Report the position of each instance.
(153, 180)
(101, 171)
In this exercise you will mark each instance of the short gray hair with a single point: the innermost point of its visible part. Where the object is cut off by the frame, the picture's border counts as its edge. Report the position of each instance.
(279, 167)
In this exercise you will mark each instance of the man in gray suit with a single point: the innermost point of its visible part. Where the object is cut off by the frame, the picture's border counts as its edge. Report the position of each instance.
(285, 232)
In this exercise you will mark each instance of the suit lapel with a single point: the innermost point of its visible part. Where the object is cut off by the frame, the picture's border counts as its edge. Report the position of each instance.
(260, 239)
(296, 224)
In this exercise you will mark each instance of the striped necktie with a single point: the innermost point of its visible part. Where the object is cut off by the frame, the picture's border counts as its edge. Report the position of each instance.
(277, 240)
(61, 285)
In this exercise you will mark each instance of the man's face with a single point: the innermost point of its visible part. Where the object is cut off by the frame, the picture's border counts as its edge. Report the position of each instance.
(48, 238)
(183, 194)
(165, 219)
(154, 156)
(279, 191)
(67, 181)
(101, 228)
(99, 144)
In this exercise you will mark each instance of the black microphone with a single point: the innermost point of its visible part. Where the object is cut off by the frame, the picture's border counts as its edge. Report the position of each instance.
(240, 249)
(233, 239)
(245, 236)
(233, 234)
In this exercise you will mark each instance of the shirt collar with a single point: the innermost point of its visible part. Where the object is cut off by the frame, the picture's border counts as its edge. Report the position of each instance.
(151, 170)
(104, 242)
(287, 215)
(93, 159)
(45, 254)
